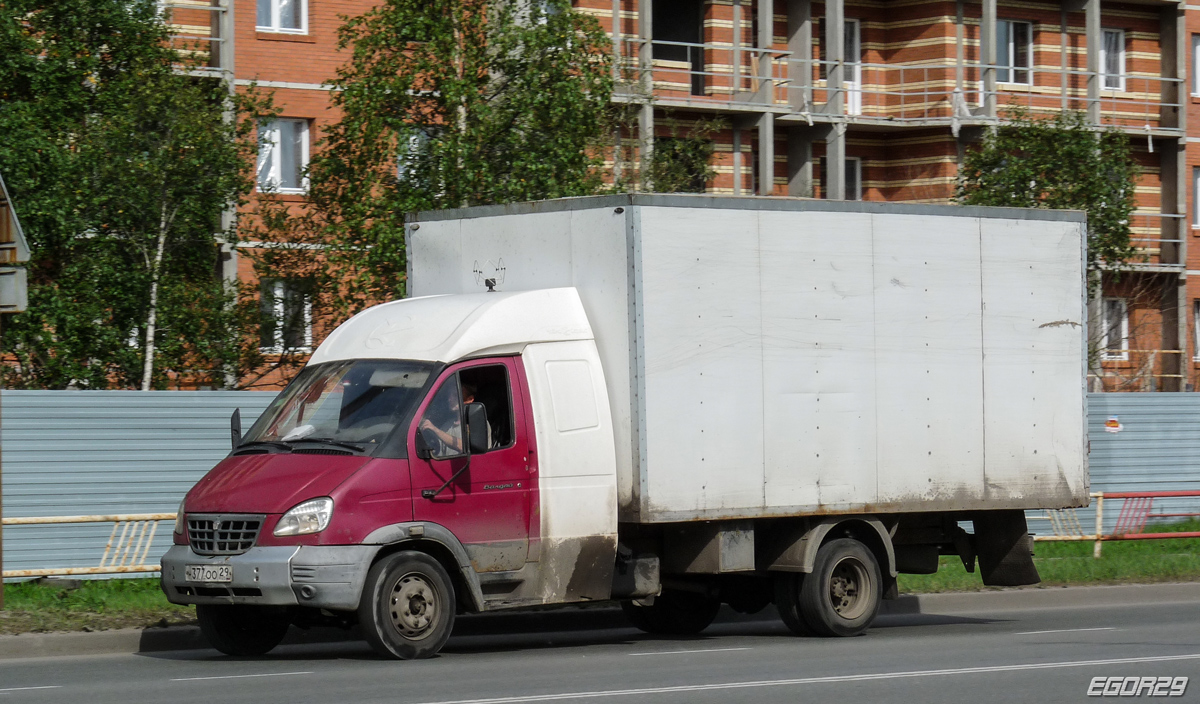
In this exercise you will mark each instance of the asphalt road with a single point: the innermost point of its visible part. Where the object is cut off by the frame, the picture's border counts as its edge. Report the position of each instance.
(1014, 649)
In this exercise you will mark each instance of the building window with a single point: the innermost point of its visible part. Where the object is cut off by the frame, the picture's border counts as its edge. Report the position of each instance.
(1014, 51)
(1196, 330)
(283, 16)
(1196, 197)
(1114, 338)
(1112, 59)
(853, 178)
(286, 316)
(282, 155)
(678, 32)
(1196, 64)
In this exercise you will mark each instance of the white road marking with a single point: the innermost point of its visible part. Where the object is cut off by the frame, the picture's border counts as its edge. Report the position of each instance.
(234, 677)
(817, 680)
(681, 652)
(25, 689)
(1066, 630)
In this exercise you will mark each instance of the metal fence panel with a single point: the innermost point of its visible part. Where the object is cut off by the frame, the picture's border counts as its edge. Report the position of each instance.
(119, 452)
(106, 452)
(1157, 448)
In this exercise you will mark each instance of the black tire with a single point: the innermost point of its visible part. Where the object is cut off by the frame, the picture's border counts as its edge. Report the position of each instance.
(787, 601)
(242, 630)
(676, 613)
(841, 596)
(407, 606)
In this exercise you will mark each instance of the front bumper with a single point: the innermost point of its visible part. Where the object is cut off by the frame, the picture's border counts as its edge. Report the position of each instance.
(325, 577)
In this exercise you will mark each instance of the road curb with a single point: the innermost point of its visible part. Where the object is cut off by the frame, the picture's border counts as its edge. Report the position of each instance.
(152, 640)
(1044, 598)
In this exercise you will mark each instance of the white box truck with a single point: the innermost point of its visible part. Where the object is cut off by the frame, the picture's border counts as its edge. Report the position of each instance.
(674, 401)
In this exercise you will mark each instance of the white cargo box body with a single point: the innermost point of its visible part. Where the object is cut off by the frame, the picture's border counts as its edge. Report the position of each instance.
(772, 357)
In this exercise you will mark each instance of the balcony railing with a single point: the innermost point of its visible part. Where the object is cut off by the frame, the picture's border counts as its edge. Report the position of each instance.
(201, 33)
(718, 76)
(1157, 239)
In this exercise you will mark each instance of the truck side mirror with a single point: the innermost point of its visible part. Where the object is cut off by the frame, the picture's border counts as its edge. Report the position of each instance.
(477, 428)
(235, 427)
(423, 450)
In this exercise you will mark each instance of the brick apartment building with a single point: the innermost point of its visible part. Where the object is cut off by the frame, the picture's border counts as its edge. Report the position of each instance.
(845, 99)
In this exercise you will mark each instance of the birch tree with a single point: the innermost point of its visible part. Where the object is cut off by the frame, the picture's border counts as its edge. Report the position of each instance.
(163, 170)
(120, 168)
(445, 104)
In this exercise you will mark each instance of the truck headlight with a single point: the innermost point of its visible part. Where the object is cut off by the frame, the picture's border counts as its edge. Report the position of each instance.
(312, 516)
(180, 522)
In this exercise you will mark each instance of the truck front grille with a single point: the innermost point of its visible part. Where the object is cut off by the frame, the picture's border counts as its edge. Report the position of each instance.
(223, 535)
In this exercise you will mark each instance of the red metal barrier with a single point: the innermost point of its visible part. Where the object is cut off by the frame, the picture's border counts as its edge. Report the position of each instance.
(1136, 510)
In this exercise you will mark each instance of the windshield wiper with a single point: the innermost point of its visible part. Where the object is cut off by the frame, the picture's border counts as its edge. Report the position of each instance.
(270, 443)
(330, 441)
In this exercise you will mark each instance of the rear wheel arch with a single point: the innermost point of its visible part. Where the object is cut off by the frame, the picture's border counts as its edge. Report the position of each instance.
(870, 532)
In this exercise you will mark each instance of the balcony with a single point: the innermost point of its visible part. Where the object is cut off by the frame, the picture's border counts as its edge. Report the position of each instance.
(720, 78)
(201, 32)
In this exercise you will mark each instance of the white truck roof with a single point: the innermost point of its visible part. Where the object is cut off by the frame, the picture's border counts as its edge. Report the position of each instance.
(448, 328)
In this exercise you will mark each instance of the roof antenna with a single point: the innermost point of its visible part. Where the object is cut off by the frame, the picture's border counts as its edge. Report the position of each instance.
(490, 274)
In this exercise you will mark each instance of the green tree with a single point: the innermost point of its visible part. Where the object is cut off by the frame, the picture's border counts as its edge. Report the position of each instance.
(1060, 163)
(443, 104)
(120, 167)
(682, 163)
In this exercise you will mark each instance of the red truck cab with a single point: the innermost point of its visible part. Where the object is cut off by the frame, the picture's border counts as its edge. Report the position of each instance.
(391, 483)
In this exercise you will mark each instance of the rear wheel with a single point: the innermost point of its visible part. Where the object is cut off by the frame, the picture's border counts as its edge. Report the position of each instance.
(787, 601)
(841, 596)
(673, 613)
(241, 630)
(407, 608)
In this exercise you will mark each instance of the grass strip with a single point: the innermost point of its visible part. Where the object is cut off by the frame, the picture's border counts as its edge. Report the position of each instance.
(97, 604)
(1061, 564)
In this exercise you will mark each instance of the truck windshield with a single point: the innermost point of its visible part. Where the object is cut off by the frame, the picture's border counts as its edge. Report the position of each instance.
(356, 402)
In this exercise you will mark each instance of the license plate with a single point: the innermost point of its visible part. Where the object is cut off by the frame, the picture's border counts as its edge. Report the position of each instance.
(208, 573)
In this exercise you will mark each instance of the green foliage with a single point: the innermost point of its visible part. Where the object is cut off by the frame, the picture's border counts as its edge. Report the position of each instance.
(683, 163)
(1058, 164)
(60, 605)
(446, 104)
(113, 157)
(1071, 563)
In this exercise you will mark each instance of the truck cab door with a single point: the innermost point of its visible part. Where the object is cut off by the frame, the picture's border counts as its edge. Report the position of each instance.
(487, 506)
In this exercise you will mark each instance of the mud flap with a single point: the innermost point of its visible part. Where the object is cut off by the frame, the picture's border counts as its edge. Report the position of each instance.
(1005, 549)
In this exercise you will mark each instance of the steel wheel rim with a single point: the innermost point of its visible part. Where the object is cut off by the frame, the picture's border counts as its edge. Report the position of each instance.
(849, 588)
(413, 605)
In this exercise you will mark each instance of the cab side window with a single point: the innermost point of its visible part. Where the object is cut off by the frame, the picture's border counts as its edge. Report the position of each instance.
(490, 386)
(441, 428)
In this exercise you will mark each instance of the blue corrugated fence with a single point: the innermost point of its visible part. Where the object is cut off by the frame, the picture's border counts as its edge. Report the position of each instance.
(105, 452)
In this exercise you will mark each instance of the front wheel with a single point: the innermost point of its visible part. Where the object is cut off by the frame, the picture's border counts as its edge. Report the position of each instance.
(241, 630)
(407, 607)
(842, 594)
(673, 612)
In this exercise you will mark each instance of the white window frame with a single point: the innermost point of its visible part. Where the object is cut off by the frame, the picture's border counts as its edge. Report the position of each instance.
(268, 144)
(1006, 56)
(279, 313)
(1119, 351)
(1196, 197)
(854, 188)
(1196, 64)
(852, 76)
(1112, 81)
(274, 25)
(1196, 329)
